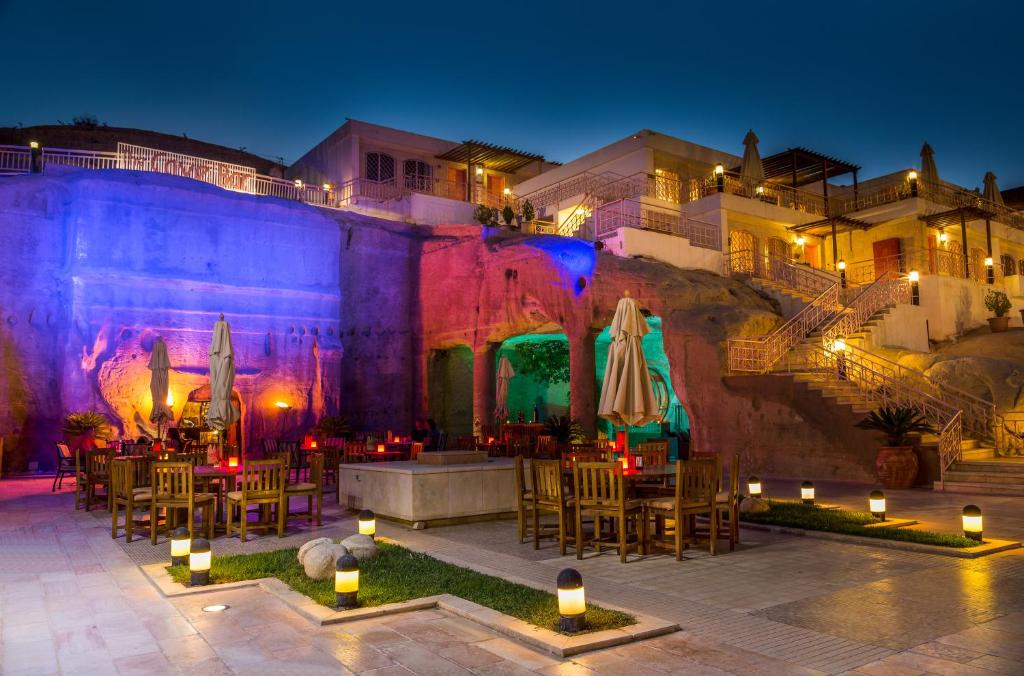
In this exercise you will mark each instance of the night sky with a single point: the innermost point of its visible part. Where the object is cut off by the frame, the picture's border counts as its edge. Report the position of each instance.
(864, 81)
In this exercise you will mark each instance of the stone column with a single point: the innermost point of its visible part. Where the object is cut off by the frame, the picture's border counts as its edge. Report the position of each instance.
(583, 381)
(483, 385)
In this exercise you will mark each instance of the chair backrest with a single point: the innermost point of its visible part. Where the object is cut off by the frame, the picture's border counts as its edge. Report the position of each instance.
(263, 478)
(415, 449)
(172, 480)
(197, 457)
(519, 473)
(122, 477)
(546, 476)
(64, 452)
(734, 475)
(697, 480)
(582, 447)
(653, 453)
(573, 457)
(316, 469)
(332, 456)
(97, 463)
(599, 484)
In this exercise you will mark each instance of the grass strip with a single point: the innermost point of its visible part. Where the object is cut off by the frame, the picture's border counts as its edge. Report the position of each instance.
(398, 574)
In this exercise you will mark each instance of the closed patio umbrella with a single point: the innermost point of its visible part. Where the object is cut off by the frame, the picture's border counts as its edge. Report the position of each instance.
(221, 414)
(929, 172)
(159, 384)
(627, 397)
(751, 170)
(992, 193)
(505, 374)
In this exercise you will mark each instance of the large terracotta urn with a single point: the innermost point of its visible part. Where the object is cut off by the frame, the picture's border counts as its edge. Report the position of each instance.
(998, 324)
(896, 466)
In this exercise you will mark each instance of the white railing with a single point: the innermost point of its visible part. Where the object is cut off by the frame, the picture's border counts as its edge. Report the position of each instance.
(794, 276)
(221, 174)
(18, 159)
(628, 213)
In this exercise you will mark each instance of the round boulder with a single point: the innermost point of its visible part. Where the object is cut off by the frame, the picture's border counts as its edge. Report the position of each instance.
(361, 546)
(321, 561)
(754, 505)
(309, 545)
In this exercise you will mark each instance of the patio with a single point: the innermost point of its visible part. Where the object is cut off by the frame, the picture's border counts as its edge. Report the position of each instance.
(71, 598)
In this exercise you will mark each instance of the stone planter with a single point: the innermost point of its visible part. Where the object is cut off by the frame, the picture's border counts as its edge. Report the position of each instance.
(999, 324)
(896, 466)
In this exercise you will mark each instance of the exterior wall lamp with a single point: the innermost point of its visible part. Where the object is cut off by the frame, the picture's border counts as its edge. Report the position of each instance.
(915, 287)
(720, 177)
(841, 266)
(807, 493)
(912, 178)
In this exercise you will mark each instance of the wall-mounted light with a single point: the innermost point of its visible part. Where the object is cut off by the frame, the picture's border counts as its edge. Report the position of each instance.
(988, 262)
(838, 345)
(915, 287)
(283, 405)
(506, 192)
(479, 171)
(720, 177)
(800, 240)
(876, 504)
(719, 170)
(807, 493)
(841, 266)
(972, 522)
(327, 187)
(912, 178)
(298, 183)
(943, 237)
(199, 559)
(34, 145)
(759, 190)
(754, 487)
(346, 582)
(572, 603)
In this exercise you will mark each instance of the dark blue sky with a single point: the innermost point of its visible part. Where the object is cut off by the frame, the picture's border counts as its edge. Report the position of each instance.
(865, 81)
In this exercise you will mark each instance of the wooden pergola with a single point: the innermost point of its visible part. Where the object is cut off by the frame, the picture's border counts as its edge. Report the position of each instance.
(833, 225)
(802, 166)
(489, 156)
(960, 215)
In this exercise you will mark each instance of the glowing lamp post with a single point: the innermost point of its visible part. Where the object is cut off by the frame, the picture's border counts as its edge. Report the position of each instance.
(912, 179)
(989, 272)
(35, 152)
(720, 177)
(367, 523)
(915, 287)
(572, 604)
(972, 522)
(876, 504)
(807, 493)
(199, 562)
(841, 266)
(180, 546)
(346, 582)
(754, 487)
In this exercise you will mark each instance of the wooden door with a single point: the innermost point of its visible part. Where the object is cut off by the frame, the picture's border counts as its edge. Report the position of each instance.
(811, 255)
(887, 256)
(495, 187)
(456, 187)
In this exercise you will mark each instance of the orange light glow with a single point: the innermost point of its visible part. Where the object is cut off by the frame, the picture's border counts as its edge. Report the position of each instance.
(170, 398)
(312, 444)
(625, 462)
(233, 461)
(380, 448)
(490, 440)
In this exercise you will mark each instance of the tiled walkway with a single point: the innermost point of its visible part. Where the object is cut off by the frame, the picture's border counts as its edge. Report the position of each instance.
(74, 601)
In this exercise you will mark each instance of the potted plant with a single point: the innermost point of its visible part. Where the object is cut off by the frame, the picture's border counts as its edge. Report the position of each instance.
(483, 214)
(508, 215)
(896, 463)
(332, 426)
(83, 428)
(998, 304)
(528, 211)
(563, 429)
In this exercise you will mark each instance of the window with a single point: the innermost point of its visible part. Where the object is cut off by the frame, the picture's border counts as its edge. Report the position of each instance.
(1008, 264)
(417, 175)
(380, 167)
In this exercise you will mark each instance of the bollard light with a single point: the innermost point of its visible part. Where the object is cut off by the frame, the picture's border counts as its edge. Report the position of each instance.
(199, 562)
(367, 523)
(876, 504)
(572, 604)
(346, 582)
(754, 487)
(35, 154)
(298, 183)
(972, 522)
(912, 177)
(181, 543)
(807, 493)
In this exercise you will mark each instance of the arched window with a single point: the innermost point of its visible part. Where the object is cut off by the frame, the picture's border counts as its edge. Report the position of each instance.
(380, 167)
(743, 252)
(1008, 264)
(418, 175)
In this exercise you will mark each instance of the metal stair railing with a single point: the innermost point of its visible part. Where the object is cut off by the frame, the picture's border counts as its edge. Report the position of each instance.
(800, 278)
(890, 288)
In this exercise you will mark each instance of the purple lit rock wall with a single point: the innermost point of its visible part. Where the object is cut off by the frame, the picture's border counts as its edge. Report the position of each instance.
(97, 264)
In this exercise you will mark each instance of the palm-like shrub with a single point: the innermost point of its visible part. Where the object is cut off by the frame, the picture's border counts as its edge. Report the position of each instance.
(563, 430)
(78, 423)
(997, 303)
(528, 211)
(333, 426)
(896, 423)
(483, 214)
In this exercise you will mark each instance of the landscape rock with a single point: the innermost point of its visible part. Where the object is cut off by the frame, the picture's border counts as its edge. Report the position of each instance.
(360, 546)
(320, 561)
(309, 545)
(754, 505)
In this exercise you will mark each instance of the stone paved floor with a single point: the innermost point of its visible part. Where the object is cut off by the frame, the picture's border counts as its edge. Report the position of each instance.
(74, 601)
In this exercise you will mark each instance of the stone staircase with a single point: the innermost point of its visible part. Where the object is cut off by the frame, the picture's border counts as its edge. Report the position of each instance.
(837, 394)
(980, 471)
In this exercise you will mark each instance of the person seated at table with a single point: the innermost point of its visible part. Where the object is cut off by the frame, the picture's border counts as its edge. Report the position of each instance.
(173, 440)
(419, 430)
(433, 438)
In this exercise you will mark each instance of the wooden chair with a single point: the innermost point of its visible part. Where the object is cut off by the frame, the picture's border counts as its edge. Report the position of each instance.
(269, 446)
(524, 497)
(571, 458)
(600, 490)
(549, 496)
(173, 488)
(314, 488)
(263, 483)
(294, 457)
(583, 447)
(97, 473)
(653, 453)
(198, 457)
(696, 485)
(727, 502)
(129, 486)
(332, 458)
(65, 466)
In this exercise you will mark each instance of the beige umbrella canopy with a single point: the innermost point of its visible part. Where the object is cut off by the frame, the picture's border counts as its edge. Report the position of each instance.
(627, 397)
(221, 414)
(992, 193)
(505, 374)
(159, 384)
(929, 172)
(751, 169)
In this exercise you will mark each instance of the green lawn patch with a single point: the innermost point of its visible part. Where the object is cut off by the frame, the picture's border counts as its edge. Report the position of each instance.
(847, 522)
(398, 574)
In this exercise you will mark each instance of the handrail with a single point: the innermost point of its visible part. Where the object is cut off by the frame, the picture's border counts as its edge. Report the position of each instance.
(577, 217)
(629, 213)
(801, 278)
(889, 289)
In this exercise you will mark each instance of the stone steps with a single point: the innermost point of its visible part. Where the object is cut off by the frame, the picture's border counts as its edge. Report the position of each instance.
(997, 476)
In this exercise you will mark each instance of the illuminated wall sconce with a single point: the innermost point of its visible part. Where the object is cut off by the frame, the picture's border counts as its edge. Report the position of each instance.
(988, 262)
(381, 448)
(327, 187)
(283, 405)
(181, 543)
(912, 178)
(943, 237)
(367, 523)
(801, 240)
(199, 560)
(346, 582)
(299, 183)
(572, 604)
(506, 192)
(876, 504)
(839, 345)
(754, 487)
(841, 266)
(35, 153)
(807, 493)
(989, 271)
(170, 399)
(232, 461)
(720, 177)
(759, 190)
(972, 522)
(479, 171)
(915, 287)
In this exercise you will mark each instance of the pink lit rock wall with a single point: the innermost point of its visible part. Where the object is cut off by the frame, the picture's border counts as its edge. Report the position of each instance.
(97, 264)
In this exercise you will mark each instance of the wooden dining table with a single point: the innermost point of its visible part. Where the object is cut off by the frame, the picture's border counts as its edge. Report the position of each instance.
(632, 477)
